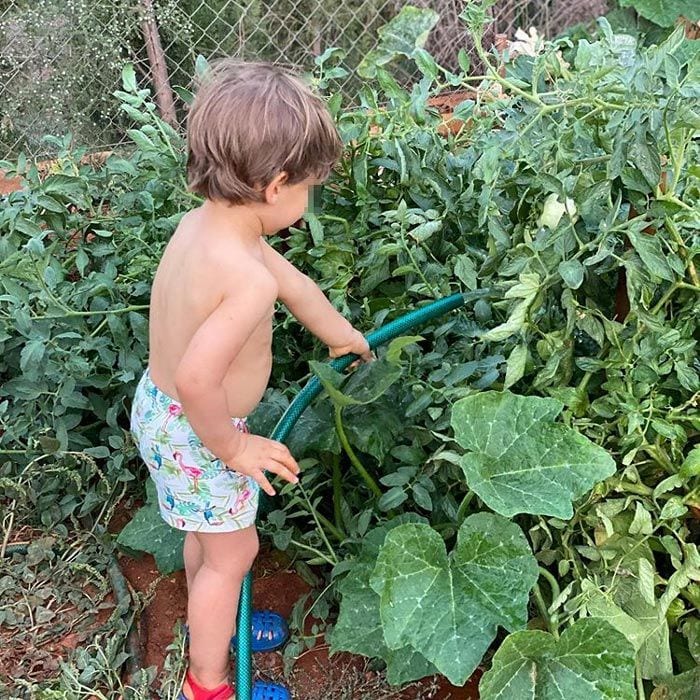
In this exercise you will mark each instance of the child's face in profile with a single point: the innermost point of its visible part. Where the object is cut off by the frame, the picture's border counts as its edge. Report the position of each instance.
(293, 201)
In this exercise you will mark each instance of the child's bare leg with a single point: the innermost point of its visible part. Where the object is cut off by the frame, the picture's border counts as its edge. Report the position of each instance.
(213, 601)
(193, 556)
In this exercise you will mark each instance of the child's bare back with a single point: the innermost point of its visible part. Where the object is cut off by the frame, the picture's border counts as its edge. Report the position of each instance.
(207, 261)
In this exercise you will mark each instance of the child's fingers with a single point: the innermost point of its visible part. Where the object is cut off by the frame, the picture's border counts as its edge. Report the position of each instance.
(283, 471)
(262, 481)
(284, 456)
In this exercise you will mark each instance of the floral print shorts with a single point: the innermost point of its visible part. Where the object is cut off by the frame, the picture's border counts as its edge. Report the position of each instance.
(195, 490)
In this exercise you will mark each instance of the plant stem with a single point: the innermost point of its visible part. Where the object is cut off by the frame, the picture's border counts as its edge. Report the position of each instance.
(338, 534)
(321, 531)
(463, 506)
(553, 583)
(675, 234)
(639, 681)
(355, 461)
(337, 493)
(315, 551)
(539, 600)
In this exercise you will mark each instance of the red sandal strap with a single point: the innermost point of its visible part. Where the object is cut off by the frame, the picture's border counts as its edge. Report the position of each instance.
(223, 692)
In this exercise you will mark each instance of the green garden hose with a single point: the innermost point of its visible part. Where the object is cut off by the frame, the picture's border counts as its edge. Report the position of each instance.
(244, 657)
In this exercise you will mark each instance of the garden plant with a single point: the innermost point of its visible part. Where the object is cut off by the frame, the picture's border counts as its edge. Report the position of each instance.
(516, 488)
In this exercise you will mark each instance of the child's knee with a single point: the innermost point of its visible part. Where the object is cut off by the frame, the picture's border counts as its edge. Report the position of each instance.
(251, 550)
(230, 553)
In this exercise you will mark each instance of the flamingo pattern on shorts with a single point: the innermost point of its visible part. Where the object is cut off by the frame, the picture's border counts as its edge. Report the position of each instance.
(195, 490)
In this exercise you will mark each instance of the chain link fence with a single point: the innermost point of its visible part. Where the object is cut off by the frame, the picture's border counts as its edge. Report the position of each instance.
(61, 60)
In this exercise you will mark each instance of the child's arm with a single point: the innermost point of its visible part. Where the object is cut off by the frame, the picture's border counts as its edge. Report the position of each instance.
(199, 382)
(309, 305)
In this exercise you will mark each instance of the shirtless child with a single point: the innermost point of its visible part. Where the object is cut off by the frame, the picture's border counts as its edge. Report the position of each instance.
(258, 141)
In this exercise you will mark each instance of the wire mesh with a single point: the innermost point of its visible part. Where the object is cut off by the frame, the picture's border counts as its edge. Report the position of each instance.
(60, 60)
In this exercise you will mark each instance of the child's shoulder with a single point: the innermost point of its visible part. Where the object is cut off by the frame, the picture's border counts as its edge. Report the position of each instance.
(220, 259)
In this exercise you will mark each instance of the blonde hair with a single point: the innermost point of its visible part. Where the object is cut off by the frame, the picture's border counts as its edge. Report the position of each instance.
(250, 122)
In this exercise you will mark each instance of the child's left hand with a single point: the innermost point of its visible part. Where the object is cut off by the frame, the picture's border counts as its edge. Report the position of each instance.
(357, 344)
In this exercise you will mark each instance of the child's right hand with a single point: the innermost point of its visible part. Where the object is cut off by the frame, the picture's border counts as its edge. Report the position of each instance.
(257, 455)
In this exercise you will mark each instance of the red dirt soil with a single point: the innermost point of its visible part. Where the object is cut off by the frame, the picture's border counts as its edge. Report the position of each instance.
(316, 675)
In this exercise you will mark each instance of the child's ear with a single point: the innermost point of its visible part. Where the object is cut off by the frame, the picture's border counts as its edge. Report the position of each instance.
(272, 191)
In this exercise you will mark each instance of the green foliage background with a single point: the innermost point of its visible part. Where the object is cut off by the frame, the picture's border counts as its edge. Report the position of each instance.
(576, 173)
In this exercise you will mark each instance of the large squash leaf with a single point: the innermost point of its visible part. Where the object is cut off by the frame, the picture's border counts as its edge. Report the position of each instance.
(591, 661)
(519, 460)
(449, 607)
(359, 627)
(148, 532)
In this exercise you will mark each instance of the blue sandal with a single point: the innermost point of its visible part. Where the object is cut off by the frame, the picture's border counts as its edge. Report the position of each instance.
(270, 691)
(269, 632)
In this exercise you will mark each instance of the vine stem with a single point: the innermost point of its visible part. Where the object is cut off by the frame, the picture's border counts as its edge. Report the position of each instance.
(337, 492)
(542, 607)
(321, 531)
(553, 583)
(692, 271)
(315, 551)
(463, 506)
(338, 534)
(639, 681)
(354, 459)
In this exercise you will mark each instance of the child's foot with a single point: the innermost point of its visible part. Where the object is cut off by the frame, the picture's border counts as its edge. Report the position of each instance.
(192, 690)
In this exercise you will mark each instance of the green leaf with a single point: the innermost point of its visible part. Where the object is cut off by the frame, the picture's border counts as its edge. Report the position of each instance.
(526, 289)
(691, 464)
(465, 269)
(359, 627)
(408, 31)
(366, 384)
(426, 64)
(624, 606)
(651, 252)
(645, 156)
(552, 212)
(519, 460)
(665, 12)
(642, 521)
(591, 661)
(449, 607)
(392, 498)
(515, 368)
(331, 381)
(32, 354)
(691, 631)
(315, 227)
(396, 347)
(201, 66)
(148, 532)
(129, 78)
(422, 497)
(571, 272)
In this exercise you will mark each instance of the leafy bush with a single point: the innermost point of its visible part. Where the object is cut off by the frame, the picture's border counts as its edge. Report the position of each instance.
(563, 203)
(664, 13)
